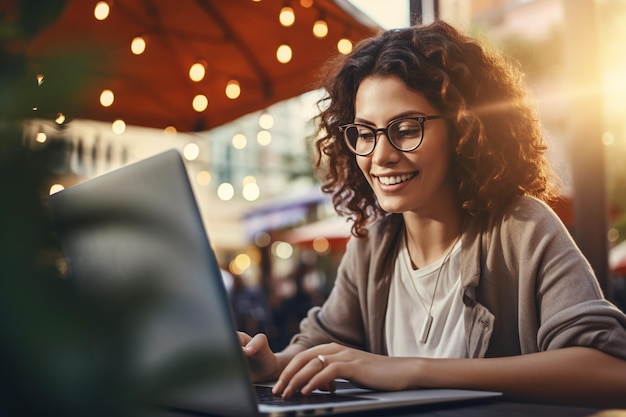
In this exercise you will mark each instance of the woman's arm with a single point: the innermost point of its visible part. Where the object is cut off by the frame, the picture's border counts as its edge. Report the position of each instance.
(575, 375)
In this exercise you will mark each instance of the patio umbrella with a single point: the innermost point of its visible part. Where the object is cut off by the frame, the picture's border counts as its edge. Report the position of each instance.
(229, 44)
(334, 233)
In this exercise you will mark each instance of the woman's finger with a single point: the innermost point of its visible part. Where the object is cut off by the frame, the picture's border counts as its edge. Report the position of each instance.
(314, 368)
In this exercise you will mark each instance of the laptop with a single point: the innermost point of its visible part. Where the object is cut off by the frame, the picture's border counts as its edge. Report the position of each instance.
(136, 235)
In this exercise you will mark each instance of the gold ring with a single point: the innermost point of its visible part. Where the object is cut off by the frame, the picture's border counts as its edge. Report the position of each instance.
(322, 359)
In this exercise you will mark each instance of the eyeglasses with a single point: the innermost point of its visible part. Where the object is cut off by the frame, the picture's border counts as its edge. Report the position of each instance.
(404, 134)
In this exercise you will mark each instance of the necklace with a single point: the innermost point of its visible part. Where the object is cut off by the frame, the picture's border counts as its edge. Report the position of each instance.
(428, 321)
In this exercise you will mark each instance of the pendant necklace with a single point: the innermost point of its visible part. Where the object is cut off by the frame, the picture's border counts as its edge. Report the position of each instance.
(428, 322)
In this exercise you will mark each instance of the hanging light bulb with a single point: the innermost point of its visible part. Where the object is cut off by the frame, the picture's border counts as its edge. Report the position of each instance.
(197, 72)
(264, 137)
(191, 151)
(203, 177)
(233, 89)
(200, 103)
(320, 28)
(138, 45)
(266, 120)
(287, 16)
(344, 46)
(106, 98)
(284, 53)
(101, 11)
(118, 126)
(239, 141)
(170, 131)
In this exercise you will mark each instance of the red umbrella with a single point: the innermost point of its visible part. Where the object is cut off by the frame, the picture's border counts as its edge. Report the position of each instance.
(334, 231)
(235, 43)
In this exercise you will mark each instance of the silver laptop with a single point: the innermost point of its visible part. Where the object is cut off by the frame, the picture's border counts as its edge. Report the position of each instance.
(137, 234)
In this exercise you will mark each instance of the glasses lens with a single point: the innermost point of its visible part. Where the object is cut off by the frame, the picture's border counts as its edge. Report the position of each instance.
(405, 134)
(360, 139)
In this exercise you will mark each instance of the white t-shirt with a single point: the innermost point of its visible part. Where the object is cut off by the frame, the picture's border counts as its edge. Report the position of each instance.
(408, 308)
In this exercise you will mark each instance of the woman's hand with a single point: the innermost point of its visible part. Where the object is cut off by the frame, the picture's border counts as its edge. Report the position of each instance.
(319, 366)
(262, 362)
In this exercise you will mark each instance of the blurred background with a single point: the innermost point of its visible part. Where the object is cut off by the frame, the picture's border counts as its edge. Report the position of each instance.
(89, 86)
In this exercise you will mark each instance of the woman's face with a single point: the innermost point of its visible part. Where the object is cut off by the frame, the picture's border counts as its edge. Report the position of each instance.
(418, 181)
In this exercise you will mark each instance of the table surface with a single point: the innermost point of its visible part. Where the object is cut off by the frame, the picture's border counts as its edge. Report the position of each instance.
(481, 408)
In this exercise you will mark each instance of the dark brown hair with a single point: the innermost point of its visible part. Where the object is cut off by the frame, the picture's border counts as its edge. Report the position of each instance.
(499, 148)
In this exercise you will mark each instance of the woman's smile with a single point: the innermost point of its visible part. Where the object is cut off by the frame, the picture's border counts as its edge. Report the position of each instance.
(395, 179)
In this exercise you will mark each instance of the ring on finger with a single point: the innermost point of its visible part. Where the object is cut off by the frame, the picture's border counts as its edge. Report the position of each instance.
(322, 360)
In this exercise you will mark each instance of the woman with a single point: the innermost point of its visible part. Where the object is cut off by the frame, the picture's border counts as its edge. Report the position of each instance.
(459, 275)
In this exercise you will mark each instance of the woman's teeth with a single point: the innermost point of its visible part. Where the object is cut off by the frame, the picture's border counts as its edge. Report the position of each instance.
(396, 179)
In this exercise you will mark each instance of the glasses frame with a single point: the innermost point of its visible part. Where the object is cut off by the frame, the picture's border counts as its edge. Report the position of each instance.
(420, 119)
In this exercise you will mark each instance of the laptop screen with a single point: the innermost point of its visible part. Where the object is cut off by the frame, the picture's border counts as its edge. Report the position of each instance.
(137, 250)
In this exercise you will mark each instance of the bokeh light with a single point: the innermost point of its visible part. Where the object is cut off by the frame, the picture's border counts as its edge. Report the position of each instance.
(191, 151)
(138, 45)
(225, 191)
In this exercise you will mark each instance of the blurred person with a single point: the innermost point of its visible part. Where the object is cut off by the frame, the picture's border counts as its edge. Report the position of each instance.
(292, 308)
(249, 306)
(458, 273)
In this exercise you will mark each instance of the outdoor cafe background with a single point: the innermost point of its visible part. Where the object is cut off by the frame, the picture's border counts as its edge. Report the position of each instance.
(275, 234)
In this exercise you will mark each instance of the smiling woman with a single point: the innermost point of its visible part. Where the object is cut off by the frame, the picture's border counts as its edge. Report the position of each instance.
(457, 274)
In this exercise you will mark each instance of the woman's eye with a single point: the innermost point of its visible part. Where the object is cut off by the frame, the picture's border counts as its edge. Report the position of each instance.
(408, 132)
(366, 135)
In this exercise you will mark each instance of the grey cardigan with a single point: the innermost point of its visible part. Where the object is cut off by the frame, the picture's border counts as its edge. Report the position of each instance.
(526, 288)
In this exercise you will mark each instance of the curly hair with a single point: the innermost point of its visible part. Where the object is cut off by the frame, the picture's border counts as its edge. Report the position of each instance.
(499, 147)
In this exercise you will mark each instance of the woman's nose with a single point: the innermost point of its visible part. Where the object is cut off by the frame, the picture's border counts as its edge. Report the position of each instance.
(384, 152)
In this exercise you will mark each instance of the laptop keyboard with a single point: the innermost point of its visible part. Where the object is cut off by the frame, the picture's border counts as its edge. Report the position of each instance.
(266, 396)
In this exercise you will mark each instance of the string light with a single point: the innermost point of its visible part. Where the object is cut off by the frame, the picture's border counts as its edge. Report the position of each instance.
(321, 244)
(243, 262)
(170, 131)
(118, 126)
(239, 141)
(320, 29)
(101, 11)
(264, 137)
(59, 119)
(251, 191)
(266, 121)
(284, 53)
(191, 151)
(203, 178)
(106, 98)
(138, 45)
(262, 239)
(225, 191)
(233, 89)
(200, 103)
(344, 46)
(287, 16)
(248, 179)
(306, 3)
(197, 72)
(282, 250)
